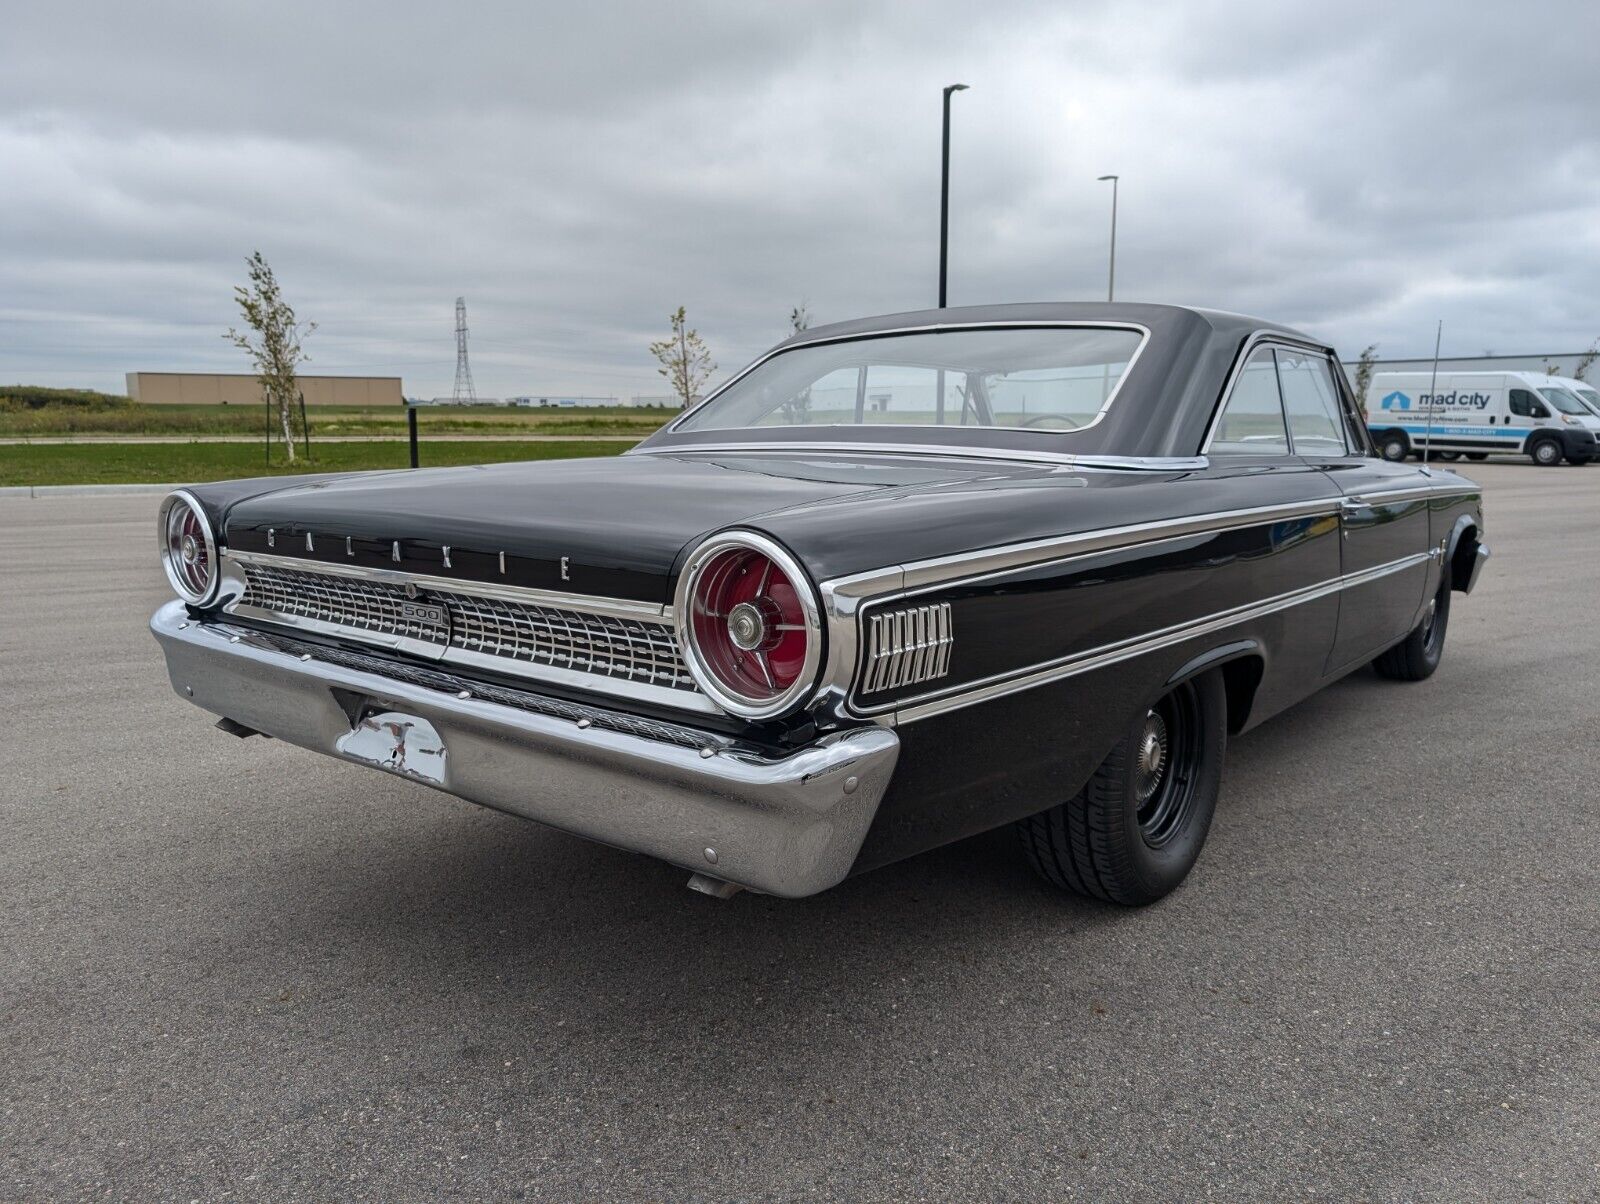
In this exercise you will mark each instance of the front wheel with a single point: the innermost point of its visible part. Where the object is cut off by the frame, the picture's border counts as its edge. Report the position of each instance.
(1417, 656)
(1546, 453)
(1135, 830)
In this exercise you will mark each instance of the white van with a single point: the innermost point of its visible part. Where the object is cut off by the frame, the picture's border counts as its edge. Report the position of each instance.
(1587, 393)
(1475, 413)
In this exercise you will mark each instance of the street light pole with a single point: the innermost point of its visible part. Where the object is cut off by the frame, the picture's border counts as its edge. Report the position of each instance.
(1111, 283)
(944, 195)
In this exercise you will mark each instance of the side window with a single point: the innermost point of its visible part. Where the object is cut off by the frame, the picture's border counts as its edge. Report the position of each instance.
(1252, 417)
(1311, 400)
(1525, 405)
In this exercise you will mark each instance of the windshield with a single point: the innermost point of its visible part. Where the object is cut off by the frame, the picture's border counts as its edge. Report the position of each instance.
(1589, 398)
(1049, 379)
(1564, 401)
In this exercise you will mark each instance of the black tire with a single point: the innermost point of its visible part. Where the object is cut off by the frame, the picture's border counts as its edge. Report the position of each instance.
(1394, 446)
(1447, 455)
(1579, 461)
(1136, 828)
(1546, 453)
(1477, 455)
(1418, 655)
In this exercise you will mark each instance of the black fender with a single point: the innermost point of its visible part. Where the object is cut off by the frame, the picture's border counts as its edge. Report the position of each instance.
(1465, 553)
(1242, 663)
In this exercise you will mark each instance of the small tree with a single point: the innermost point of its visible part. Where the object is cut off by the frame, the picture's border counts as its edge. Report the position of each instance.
(272, 341)
(799, 318)
(1586, 361)
(685, 362)
(1363, 381)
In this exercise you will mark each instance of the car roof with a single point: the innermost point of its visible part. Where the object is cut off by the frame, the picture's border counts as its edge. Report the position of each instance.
(1139, 313)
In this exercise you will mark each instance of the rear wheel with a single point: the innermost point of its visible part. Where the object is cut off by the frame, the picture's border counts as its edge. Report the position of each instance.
(1134, 831)
(1579, 460)
(1546, 453)
(1417, 656)
(1394, 445)
(1447, 455)
(1477, 455)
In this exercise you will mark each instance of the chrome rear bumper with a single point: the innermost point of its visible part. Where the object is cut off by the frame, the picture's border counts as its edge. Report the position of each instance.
(789, 825)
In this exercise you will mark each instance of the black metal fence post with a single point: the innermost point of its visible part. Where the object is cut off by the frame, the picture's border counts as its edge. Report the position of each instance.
(411, 429)
(305, 427)
(269, 432)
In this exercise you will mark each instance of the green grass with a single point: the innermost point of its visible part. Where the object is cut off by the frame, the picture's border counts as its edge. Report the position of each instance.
(27, 410)
(123, 463)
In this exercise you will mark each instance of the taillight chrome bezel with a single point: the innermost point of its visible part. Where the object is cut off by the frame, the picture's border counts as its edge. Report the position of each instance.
(714, 686)
(170, 513)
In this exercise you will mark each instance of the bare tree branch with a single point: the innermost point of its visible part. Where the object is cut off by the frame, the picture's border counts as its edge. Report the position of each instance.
(272, 340)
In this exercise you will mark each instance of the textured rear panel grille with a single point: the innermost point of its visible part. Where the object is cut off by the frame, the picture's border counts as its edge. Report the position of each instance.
(366, 606)
(634, 650)
(584, 643)
(908, 646)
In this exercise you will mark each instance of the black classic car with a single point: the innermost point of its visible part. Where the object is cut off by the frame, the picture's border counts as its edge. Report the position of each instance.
(900, 581)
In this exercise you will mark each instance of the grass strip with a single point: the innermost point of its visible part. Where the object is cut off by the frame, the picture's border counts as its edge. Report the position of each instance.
(125, 463)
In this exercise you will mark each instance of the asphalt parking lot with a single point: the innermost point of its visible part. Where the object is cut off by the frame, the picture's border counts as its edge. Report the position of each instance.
(231, 969)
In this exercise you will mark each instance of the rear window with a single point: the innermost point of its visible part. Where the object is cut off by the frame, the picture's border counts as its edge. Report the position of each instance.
(1045, 379)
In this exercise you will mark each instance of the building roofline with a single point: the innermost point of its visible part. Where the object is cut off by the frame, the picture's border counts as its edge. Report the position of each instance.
(1456, 359)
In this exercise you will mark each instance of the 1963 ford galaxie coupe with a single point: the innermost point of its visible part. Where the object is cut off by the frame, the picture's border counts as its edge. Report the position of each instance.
(900, 581)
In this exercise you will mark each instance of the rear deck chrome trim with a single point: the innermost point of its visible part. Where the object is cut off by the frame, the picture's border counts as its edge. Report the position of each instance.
(952, 451)
(622, 608)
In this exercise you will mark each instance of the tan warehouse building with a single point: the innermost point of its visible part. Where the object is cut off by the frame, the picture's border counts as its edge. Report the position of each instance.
(214, 388)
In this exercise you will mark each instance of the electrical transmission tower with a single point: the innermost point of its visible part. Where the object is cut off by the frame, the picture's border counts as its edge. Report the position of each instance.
(464, 391)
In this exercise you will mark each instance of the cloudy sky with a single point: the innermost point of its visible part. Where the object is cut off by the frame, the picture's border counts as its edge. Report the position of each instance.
(579, 170)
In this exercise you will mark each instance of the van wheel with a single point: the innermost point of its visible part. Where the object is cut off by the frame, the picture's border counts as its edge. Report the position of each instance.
(1135, 830)
(1546, 453)
(1477, 455)
(1447, 455)
(1579, 460)
(1417, 656)
(1394, 446)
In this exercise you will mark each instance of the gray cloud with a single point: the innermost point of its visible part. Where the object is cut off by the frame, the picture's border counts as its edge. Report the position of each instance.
(577, 172)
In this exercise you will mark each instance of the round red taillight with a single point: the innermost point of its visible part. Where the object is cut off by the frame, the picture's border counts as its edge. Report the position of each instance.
(188, 549)
(748, 624)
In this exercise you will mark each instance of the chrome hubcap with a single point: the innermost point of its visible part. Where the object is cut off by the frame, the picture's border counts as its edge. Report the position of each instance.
(191, 549)
(1152, 757)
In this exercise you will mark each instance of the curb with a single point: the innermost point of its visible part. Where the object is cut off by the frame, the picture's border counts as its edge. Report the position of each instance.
(85, 490)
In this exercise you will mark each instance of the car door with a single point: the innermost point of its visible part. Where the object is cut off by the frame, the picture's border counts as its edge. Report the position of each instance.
(1383, 512)
(1528, 413)
(1250, 460)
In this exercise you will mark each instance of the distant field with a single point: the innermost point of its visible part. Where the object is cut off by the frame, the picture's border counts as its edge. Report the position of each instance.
(116, 464)
(28, 411)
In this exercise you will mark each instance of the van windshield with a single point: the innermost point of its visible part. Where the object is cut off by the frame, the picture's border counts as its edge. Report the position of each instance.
(1564, 401)
(1589, 398)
